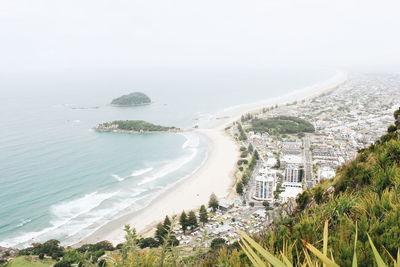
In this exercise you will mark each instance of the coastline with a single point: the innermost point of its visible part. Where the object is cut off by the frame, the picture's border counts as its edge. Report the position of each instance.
(186, 194)
(215, 174)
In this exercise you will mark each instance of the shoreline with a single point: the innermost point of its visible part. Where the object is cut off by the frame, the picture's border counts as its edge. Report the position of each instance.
(217, 170)
(186, 194)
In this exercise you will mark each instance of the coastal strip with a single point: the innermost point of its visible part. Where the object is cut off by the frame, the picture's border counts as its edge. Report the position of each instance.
(215, 176)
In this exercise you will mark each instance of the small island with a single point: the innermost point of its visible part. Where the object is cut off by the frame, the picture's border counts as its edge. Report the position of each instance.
(132, 99)
(134, 126)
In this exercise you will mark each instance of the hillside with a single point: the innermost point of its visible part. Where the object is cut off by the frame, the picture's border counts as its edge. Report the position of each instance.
(132, 99)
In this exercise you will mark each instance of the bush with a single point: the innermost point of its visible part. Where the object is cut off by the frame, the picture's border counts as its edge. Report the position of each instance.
(148, 242)
(41, 256)
(244, 154)
(62, 264)
(217, 243)
(392, 129)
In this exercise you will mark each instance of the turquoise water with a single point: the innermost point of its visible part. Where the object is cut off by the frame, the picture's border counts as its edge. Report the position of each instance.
(59, 179)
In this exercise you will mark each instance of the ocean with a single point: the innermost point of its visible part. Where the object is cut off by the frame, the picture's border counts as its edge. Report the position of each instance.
(60, 179)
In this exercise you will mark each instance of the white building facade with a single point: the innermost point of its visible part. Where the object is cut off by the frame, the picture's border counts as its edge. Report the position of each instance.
(265, 185)
(293, 173)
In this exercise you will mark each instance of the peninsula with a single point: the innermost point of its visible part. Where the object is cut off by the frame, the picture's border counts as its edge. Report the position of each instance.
(132, 99)
(133, 126)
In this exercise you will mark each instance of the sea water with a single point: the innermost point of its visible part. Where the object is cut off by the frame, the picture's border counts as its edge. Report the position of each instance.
(60, 179)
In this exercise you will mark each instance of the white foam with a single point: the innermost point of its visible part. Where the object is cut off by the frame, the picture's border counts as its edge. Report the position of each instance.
(192, 140)
(133, 174)
(117, 177)
(23, 222)
(141, 172)
(170, 167)
(68, 210)
(71, 217)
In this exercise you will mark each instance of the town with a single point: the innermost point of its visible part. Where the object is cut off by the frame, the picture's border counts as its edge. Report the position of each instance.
(293, 159)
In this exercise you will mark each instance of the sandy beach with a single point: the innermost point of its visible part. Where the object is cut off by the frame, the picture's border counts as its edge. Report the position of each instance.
(215, 175)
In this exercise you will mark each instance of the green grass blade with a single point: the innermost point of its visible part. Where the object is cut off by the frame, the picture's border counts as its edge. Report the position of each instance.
(320, 255)
(250, 256)
(286, 260)
(325, 240)
(268, 256)
(378, 258)
(355, 264)
(398, 258)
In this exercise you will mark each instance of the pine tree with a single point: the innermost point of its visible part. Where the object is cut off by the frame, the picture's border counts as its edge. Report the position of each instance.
(203, 216)
(161, 233)
(239, 188)
(167, 223)
(213, 202)
(250, 149)
(256, 155)
(192, 220)
(183, 220)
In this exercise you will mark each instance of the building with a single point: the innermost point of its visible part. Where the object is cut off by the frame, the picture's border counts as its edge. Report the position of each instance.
(265, 186)
(225, 204)
(294, 173)
(291, 190)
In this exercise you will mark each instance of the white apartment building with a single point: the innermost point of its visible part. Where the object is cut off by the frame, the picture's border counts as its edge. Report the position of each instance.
(293, 173)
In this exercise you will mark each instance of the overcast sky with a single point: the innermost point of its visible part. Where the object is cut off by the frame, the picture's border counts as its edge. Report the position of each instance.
(70, 34)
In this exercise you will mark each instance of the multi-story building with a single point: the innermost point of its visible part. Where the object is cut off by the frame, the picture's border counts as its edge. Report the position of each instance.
(293, 173)
(265, 185)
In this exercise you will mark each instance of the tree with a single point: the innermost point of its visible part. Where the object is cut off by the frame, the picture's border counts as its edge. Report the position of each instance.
(192, 220)
(256, 155)
(183, 220)
(161, 233)
(203, 216)
(148, 242)
(239, 188)
(213, 202)
(302, 200)
(251, 204)
(217, 243)
(251, 148)
(318, 194)
(62, 264)
(167, 223)
(392, 129)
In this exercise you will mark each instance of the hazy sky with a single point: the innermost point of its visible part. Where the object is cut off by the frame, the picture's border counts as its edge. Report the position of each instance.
(55, 34)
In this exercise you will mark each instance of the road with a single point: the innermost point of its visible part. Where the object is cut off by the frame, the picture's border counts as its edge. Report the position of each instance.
(308, 176)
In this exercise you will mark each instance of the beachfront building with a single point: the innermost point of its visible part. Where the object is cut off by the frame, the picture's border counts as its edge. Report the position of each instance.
(265, 185)
(293, 173)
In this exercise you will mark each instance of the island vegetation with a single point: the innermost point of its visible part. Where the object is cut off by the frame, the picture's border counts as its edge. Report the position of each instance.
(133, 126)
(132, 99)
(281, 125)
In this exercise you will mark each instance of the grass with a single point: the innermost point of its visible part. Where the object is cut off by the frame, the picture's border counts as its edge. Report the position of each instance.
(29, 261)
